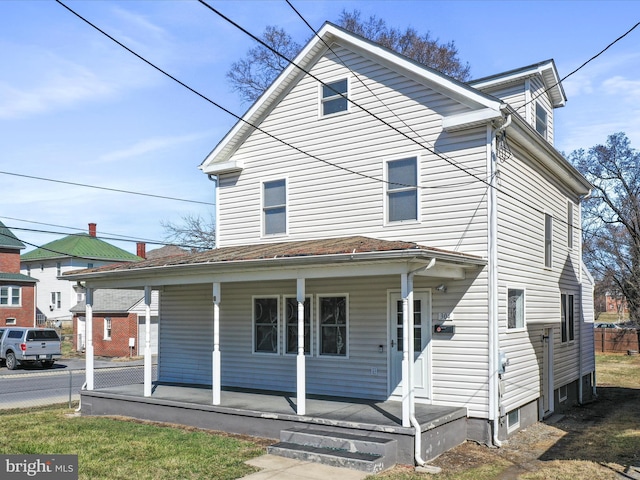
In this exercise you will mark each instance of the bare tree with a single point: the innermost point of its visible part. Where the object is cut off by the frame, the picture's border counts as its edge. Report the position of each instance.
(252, 75)
(611, 228)
(194, 232)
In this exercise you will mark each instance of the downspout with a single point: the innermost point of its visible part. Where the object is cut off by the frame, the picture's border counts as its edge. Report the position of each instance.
(580, 370)
(492, 250)
(422, 465)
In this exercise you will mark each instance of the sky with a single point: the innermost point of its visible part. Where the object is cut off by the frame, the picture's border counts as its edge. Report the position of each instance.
(78, 108)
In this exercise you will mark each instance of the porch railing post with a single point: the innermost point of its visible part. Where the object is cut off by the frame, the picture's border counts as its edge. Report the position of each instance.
(89, 339)
(216, 368)
(301, 379)
(406, 419)
(147, 342)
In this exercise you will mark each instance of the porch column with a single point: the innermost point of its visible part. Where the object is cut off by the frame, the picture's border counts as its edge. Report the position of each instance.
(89, 339)
(407, 291)
(216, 368)
(301, 375)
(148, 378)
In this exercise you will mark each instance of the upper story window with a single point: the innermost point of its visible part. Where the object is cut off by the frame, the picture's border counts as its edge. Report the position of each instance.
(548, 240)
(56, 300)
(567, 312)
(58, 269)
(515, 308)
(274, 207)
(402, 190)
(333, 100)
(570, 225)
(541, 120)
(10, 296)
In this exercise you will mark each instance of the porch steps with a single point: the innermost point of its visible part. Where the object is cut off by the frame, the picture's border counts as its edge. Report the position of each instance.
(338, 449)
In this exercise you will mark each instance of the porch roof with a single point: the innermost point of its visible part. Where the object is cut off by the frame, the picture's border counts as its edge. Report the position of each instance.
(229, 263)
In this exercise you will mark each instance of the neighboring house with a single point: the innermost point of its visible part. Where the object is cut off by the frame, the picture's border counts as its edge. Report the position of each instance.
(46, 263)
(118, 321)
(17, 291)
(440, 225)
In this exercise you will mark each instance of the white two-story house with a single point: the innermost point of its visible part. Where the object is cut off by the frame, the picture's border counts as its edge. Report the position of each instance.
(386, 233)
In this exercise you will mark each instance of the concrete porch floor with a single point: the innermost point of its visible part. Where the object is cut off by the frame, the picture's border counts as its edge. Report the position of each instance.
(265, 414)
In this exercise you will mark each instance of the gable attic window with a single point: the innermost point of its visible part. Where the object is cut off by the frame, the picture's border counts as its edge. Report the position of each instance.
(541, 120)
(333, 100)
(402, 190)
(274, 207)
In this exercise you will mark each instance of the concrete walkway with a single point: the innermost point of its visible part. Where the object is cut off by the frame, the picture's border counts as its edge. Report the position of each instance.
(281, 468)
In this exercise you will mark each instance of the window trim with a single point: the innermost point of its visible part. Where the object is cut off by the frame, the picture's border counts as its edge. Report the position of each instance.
(264, 208)
(10, 295)
(278, 325)
(10, 322)
(524, 309)
(563, 396)
(322, 99)
(567, 317)
(548, 241)
(108, 328)
(387, 191)
(286, 325)
(319, 298)
(539, 108)
(570, 219)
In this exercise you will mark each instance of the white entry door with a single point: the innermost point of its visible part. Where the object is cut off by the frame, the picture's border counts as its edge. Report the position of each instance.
(422, 343)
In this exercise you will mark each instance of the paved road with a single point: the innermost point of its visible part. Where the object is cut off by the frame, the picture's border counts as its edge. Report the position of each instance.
(28, 387)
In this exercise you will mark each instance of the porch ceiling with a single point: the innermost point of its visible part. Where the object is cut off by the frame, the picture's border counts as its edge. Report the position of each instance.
(325, 258)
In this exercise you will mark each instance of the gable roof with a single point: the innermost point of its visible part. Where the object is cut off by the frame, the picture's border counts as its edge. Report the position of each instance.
(219, 160)
(16, 277)
(80, 246)
(8, 239)
(111, 300)
(546, 69)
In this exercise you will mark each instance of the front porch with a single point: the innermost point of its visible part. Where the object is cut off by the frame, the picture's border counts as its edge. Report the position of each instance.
(267, 414)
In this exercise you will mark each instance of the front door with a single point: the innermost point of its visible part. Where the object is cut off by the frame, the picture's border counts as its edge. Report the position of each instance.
(422, 338)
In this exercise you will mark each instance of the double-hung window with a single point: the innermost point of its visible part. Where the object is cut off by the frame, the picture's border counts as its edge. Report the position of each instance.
(567, 313)
(402, 190)
(541, 120)
(274, 207)
(10, 296)
(548, 241)
(291, 306)
(334, 97)
(333, 311)
(515, 308)
(265, 324)
(107, 328)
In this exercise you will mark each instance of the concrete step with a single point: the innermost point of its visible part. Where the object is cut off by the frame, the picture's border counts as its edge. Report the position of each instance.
(347, 441)
(364, 462)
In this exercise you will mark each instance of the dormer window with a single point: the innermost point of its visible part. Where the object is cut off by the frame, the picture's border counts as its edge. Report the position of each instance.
(333, 100)
(541, 120)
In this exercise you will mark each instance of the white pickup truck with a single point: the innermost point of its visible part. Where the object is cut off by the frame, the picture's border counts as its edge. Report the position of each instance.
(29, 345)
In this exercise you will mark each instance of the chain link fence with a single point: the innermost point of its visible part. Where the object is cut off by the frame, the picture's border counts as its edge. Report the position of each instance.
(30, 387)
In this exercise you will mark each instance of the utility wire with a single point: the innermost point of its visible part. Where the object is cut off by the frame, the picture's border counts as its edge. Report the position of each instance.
(581, 66)
(104, 188)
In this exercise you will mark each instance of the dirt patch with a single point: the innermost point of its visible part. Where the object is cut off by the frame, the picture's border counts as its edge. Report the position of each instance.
(597, 440)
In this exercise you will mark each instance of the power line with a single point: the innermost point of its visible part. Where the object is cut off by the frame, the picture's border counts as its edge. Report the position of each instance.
(64, 182)
(581, 66)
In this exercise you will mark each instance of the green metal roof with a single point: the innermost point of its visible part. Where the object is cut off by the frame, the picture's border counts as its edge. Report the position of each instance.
(8, 239)
(80, 246)
(16, 277)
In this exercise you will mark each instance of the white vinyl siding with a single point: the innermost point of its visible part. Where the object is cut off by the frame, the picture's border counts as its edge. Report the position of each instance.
(353, 203)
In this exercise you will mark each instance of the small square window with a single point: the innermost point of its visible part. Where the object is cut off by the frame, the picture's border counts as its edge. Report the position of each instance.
(513, 420)
(563, 393)
(334, 97)
(515, 308)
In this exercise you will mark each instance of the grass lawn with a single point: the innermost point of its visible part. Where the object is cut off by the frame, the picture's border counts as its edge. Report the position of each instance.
(597, 440)
(113, 449)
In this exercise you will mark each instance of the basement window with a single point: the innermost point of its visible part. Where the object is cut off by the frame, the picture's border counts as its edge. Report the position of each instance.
(513, 420)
